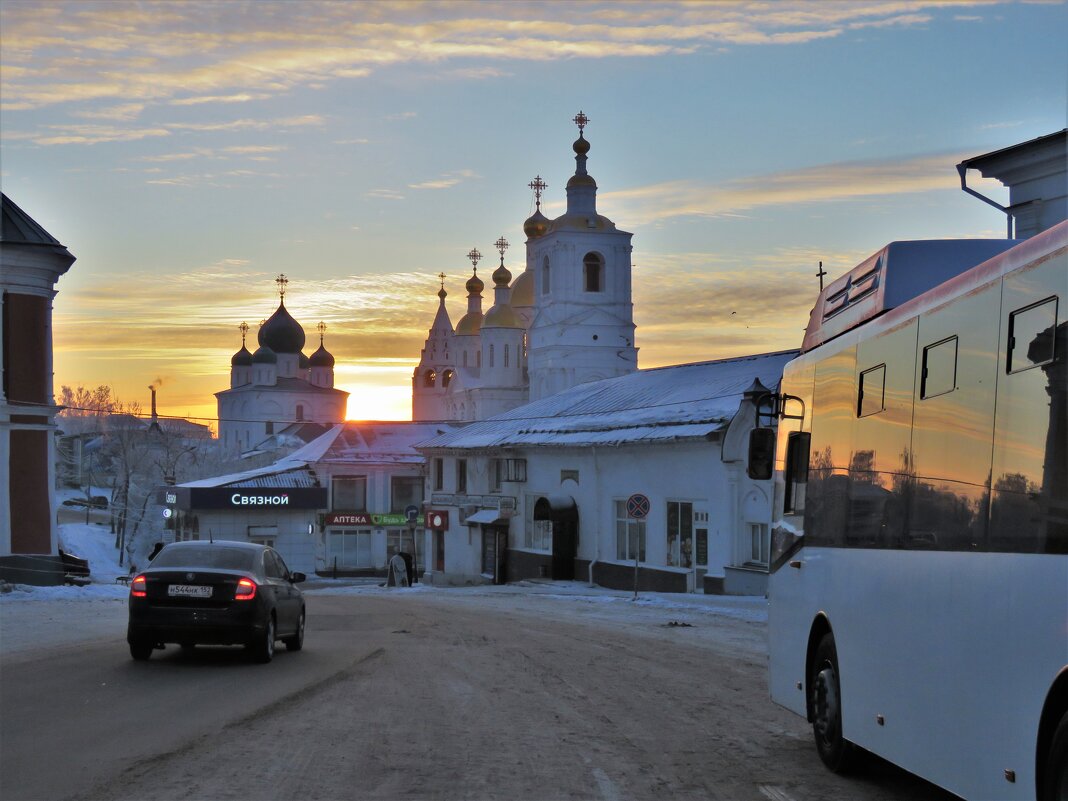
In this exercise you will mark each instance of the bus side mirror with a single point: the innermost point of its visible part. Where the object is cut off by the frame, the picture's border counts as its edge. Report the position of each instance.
(761, 454)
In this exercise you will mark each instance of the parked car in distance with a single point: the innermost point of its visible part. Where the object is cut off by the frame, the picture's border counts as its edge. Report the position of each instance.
(216, 593)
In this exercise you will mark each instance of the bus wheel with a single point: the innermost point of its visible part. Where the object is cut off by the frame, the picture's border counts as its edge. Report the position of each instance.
(1055, 782)
(837, 753)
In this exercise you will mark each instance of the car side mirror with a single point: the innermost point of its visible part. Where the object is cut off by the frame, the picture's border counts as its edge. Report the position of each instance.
(761, 454)
(296, 578)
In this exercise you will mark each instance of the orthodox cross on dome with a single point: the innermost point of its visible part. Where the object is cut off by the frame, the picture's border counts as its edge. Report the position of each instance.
(501, 245)
(281, 280)
(820, 275)
(538, 186)
(321, 328)
(442, 277)
(581, 120)
(475, 258)
(243, 328)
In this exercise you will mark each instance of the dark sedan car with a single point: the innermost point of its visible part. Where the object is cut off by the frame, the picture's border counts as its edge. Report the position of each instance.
(216, 593)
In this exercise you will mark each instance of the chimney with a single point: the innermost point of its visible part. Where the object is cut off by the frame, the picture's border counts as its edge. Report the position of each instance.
(154, 425)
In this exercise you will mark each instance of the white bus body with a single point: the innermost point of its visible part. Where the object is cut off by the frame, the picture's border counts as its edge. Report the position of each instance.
(930, 539)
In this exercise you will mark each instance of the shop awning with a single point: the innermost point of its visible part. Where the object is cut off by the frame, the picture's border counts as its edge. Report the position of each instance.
(484, 517)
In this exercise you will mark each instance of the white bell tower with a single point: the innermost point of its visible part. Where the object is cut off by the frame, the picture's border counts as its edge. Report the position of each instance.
(583, 328)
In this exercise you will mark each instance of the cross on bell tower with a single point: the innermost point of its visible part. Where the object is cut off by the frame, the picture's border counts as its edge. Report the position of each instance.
(501, 245)
(442, 277)
(581, 120)
(321, 328)
(281, 280)
(243, 328)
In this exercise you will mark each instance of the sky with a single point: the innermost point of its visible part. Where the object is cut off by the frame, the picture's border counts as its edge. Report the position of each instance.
(187, 153)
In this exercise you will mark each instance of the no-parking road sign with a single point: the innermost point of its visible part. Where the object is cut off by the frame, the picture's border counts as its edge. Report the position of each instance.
(637, 506)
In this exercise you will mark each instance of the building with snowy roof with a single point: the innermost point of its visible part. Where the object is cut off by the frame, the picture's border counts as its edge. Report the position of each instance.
(640, 474)
(565, 320)
(278, 388)
(336, 505)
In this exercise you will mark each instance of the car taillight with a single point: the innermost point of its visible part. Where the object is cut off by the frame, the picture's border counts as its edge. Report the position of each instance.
(246, 590)
(138, 588)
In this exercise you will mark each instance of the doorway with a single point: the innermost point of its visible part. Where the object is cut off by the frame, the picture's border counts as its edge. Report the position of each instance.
(563, 514)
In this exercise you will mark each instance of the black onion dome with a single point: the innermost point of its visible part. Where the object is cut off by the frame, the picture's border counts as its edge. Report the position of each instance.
(264, 355)
(281, 333)
(242, 358)
(322, 358)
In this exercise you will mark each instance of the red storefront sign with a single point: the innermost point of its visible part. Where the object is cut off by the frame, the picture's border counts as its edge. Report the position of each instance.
(439, 521)
(348, 519)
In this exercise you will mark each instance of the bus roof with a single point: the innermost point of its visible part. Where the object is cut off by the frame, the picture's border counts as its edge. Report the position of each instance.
(904, 271)
(892, 276)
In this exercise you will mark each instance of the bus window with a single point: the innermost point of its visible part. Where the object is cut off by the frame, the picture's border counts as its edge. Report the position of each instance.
(1031, 336)
(939, 368)
(796, 473)
(870, 391)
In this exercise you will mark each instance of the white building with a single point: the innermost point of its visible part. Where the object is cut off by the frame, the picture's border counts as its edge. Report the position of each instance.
(567, 319)
(278, 386)
(337, 505)
(543, 490)
(31, 262)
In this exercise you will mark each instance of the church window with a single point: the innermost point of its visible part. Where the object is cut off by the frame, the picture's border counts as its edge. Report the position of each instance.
(429, 377)
(439, 473)
(461, 475)
(446, 378)
(465, 358)
(593, 271)
(545, 276)
(300, 411)
(505, 355)
(491, 355)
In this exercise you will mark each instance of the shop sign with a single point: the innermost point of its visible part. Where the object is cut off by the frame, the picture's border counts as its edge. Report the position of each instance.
(438, 520)
(247, 498)
(364, 519)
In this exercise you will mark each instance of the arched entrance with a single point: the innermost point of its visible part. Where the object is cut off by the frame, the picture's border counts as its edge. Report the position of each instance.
(561, 511)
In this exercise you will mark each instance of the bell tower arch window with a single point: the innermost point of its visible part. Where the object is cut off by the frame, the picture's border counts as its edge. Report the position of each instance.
(429, 377)
(446, 378)
(593, 272)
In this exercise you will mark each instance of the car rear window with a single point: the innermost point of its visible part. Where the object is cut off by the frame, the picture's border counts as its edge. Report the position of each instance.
(206, 556)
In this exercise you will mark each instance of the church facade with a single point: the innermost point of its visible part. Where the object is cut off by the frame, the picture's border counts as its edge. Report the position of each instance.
(567, 319)
(278, 386)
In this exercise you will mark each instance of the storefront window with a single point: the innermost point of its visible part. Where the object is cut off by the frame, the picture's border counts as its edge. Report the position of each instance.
(679, 534)
(349, 548)
(402, 540)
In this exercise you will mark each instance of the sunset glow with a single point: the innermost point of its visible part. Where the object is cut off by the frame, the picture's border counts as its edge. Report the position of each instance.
(187, 153)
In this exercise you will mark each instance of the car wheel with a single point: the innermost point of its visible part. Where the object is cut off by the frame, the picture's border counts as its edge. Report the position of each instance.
(837, 753)
(1055, 782)
(263, 648)
(140, 650)
(296, 642)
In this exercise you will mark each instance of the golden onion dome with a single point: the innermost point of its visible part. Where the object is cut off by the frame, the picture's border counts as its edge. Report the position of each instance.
(470, 323)
(502, 316)
(581, 146)
(536, 225)
(475, 285)
(502, 276)
(523, 290)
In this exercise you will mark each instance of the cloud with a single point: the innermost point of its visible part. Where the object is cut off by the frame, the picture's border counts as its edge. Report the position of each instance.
(384, 194)
(62, 53)
(446, 181)
(824, 183)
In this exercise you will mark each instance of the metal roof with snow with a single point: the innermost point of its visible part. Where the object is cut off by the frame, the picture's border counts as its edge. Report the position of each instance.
(686, 401)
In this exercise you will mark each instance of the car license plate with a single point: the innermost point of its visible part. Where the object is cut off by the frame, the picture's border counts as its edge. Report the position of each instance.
(189, 590)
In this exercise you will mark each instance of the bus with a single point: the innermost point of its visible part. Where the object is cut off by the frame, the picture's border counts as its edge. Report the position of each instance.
(918, 588)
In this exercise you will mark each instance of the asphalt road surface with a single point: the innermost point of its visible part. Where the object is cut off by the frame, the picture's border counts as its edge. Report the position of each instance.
(423, 697)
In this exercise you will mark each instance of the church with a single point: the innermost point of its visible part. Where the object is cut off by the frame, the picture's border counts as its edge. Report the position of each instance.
(566, 320)
(278, 389)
